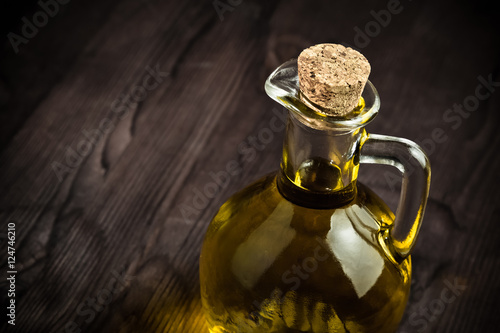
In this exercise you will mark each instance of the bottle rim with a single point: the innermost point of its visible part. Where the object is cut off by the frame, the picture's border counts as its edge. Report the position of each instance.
(283, 86)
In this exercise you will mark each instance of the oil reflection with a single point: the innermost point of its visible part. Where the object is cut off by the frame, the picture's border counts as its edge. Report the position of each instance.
(351, 240)
(272, 236)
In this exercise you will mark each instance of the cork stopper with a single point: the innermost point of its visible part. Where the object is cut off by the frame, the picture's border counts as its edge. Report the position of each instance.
(333, 77)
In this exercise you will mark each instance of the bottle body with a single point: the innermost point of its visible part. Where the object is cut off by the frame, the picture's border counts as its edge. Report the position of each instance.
(269, 264)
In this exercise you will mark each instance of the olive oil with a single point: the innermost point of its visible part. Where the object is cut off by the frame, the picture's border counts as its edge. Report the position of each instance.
(271, 265)
(309, 248)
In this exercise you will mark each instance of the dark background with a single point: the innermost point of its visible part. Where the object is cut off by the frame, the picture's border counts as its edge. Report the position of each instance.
(126, 208)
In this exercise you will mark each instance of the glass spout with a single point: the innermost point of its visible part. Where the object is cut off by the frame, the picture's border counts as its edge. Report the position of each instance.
(283, 86)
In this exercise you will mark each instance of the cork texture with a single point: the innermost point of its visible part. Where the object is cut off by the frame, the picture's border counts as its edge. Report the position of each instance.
(333, 77)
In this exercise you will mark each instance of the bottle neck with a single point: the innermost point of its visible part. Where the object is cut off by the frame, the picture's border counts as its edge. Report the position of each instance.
(319, 167)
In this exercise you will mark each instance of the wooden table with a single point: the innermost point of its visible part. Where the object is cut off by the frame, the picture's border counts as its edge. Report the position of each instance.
(116, 114)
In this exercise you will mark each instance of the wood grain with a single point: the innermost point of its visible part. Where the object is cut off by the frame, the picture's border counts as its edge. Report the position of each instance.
(115, 228)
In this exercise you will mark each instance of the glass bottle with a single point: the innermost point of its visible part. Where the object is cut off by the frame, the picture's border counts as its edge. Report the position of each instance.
(308, 248)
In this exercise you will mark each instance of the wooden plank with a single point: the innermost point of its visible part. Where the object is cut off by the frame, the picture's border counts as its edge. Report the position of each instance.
(123, 226)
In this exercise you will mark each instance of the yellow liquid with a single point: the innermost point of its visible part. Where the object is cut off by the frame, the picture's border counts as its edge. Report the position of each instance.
(271, 265)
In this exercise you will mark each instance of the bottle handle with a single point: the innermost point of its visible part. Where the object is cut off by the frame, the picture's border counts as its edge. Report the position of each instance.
(414, 165)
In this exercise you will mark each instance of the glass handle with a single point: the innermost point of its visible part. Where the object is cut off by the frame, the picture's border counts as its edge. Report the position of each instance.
(414, 165)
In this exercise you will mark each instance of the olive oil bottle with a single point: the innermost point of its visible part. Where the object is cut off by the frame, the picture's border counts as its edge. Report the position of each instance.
(308, 248)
